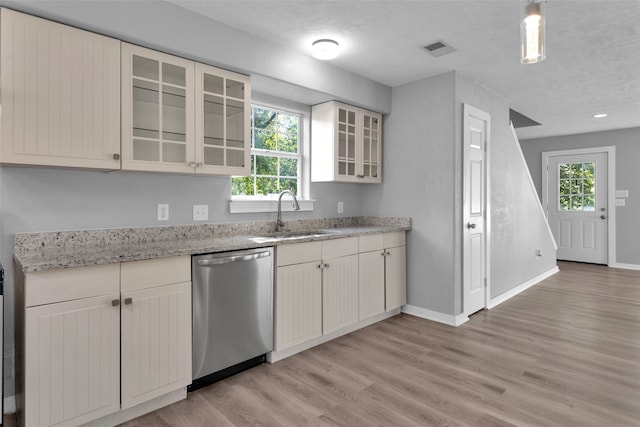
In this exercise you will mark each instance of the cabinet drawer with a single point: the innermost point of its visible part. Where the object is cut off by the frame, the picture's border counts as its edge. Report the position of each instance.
(370, 242)
(298, 253)
(397, 238)
(155, 272)
(339, 247)
(46, 287)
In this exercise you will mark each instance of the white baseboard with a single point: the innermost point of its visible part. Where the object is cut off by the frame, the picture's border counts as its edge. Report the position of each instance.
(436, 316)
(9, 405)
(521, 288)
(625, 266)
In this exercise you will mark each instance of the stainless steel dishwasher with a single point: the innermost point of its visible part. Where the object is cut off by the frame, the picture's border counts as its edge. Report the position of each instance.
(232, 312)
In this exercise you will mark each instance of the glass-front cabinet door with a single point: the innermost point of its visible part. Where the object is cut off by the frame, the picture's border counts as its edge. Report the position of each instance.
(223, 104)
(346, 140)
(370, 147)
(157, 111)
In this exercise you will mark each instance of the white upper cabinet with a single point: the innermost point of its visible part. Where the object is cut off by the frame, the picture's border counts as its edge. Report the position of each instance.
(60, 95)
(223, 108)
(346, 144)
(157, 111)
(181, 116)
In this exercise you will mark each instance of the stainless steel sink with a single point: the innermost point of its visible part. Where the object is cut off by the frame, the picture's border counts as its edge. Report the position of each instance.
(300, 234)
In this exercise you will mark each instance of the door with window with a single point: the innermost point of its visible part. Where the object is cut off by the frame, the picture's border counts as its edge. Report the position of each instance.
(577, 209)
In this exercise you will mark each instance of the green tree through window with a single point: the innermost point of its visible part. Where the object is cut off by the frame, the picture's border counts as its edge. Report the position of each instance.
(577, 190)
(275, 154)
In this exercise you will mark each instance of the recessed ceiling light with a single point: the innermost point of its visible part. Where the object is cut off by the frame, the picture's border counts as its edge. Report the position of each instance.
(600, 116)
(324, 49)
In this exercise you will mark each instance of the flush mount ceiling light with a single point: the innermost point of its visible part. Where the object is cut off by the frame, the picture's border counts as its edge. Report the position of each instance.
(324, 49)
(600, 115)
(532, 33)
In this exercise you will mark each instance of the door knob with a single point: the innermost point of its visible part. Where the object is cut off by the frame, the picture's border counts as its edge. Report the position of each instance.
(471, 225)
(603, 217)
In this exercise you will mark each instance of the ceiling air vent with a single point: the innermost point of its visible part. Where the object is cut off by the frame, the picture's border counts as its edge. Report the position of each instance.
(439, 48)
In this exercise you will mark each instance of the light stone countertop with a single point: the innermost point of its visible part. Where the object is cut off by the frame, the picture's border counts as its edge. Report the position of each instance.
(56, 250)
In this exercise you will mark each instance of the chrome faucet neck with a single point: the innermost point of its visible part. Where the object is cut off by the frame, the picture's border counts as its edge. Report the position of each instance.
(296, 206)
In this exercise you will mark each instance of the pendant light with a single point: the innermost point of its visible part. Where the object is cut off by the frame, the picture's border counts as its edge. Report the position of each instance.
(532, 33)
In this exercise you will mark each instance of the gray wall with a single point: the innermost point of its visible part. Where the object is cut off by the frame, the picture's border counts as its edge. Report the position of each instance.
(627, 143)
(422, 178)
(418, 181)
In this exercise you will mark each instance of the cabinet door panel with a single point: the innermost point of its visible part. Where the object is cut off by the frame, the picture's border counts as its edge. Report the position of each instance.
(298, 304)
(371, 284)
(339, 293)
(396, 277)
(156, 342)
(74, 351)
(157, 111)
(223, 103)
(60, 94)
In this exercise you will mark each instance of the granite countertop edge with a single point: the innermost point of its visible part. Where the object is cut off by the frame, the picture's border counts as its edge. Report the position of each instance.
(84, 256)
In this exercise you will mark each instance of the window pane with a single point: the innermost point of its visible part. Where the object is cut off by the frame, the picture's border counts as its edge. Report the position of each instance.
(289, 184)
(266, 165)
(576, 203)
(565, 202)
(576, 186)
(564, 170)
(289, 167)
(266, 185)
(589, 170)
(589, 203)
(264, 119)
(264, 140)
(564, 186)
(576, 170)
(242, 186)
(288, 143)
(589, 186)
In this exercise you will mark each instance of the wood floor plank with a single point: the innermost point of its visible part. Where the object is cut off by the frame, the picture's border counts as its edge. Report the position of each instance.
(566, 352)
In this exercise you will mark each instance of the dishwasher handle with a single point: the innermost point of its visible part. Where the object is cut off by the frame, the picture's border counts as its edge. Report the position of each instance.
(234, 258)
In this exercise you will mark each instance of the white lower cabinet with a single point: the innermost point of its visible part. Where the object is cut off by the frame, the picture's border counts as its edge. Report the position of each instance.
(71, 365)
(316, 290)
(156, 342)
(339, 292)
(298, 304)
(371, 278)
(395, 270)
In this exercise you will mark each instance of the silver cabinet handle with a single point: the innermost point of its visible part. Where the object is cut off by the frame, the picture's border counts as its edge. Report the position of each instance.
(360, 176)
(326, 266)
(192, 164)
(383, 253)
(471, 225)
(320, 266)
(388, 253)
(115, 302)
(128, 301)
(116, 156)
(603, 217)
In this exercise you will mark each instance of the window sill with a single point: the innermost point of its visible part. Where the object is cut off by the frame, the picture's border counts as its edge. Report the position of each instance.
(251, 206)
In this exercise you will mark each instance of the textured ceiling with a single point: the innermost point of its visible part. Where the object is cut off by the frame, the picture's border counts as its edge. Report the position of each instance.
(593, 49)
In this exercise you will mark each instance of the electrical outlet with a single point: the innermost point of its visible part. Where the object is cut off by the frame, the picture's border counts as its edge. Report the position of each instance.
(163, 212)
(340, 207)
(200, 212)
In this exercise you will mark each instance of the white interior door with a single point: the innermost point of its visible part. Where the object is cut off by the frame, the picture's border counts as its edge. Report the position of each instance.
(476, 139)
(577, 205)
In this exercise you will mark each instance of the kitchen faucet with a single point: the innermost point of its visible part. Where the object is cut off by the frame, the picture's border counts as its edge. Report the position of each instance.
(296, 206)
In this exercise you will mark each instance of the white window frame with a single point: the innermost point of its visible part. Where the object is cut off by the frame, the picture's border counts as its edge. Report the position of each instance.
(269, 203)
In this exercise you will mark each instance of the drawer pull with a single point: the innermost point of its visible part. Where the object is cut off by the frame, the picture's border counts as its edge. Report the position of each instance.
(128, 301)
(115, 303)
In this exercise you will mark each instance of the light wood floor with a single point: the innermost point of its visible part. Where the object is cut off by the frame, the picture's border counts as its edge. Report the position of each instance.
(564, 353)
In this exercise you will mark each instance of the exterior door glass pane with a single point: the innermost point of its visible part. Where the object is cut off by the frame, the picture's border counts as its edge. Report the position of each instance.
(576, 187)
